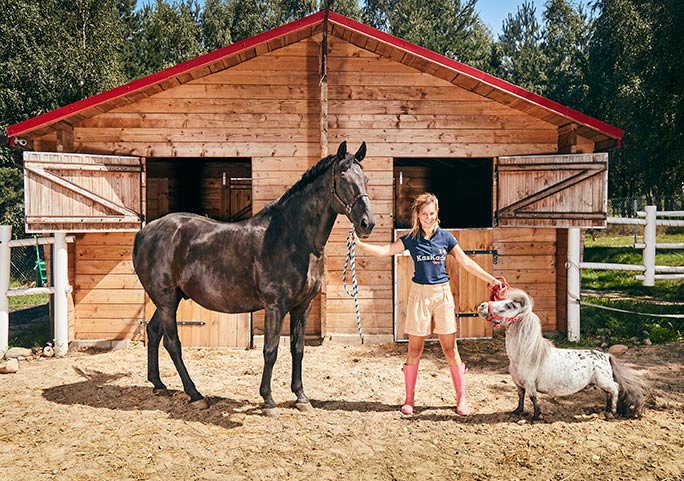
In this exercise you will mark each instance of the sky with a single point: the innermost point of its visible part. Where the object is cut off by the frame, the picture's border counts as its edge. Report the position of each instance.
(493, 12)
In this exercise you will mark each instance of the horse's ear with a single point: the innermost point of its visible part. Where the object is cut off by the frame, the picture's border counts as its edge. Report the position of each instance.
(342, 150)
(361, 153)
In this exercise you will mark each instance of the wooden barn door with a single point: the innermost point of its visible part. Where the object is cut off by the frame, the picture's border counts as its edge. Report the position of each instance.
(552, 190)
(226, 195)
(468, 291)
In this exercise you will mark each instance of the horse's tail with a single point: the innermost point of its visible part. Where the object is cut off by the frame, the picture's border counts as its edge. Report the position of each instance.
(633, 388)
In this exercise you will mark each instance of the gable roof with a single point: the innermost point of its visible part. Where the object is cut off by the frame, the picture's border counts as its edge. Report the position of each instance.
(602, 134)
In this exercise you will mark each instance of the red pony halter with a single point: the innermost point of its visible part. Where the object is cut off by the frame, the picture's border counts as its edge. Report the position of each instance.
(498, 292)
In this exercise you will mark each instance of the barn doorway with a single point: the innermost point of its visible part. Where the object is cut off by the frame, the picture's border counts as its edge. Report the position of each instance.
(219, 188)
(464, 188)
(216, 188)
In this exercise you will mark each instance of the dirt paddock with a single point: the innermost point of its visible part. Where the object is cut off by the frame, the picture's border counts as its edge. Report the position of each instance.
(92, 416)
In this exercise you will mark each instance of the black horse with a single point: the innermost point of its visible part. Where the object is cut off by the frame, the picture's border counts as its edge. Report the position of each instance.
(272, 261)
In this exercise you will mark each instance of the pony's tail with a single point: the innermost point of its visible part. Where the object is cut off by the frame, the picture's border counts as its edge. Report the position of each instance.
(633, 388)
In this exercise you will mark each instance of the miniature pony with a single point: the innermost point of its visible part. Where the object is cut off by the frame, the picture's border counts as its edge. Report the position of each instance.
(537, 366)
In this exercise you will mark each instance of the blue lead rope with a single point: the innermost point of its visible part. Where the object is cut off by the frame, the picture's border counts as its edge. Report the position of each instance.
(350, 261)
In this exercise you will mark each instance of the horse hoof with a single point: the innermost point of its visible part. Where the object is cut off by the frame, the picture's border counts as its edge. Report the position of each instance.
(161, 392)
(270, 412)
(199, 404)
(304, 407)
(609, 416)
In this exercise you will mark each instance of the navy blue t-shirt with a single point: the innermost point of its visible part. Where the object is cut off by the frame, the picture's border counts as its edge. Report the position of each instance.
(429, 255)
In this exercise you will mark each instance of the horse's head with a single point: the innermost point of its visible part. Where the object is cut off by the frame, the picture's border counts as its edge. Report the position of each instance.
(512, 309)
(349, 189)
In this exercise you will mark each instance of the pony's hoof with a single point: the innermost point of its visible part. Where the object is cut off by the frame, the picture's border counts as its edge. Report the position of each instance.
(304, 407)
(270, 412)
(161, 392)
(609, 416)
(199, 404)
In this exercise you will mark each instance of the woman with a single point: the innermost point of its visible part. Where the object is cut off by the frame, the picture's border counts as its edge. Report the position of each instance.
(430, 295)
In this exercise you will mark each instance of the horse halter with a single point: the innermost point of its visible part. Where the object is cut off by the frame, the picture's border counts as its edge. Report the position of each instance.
(496, 319)
(348, 206)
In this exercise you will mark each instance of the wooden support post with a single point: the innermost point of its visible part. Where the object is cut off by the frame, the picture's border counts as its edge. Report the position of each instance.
(5, 237)
(65, 137)
(60, 266)
(573, 288)
(567, 139)
(566, 307)
(649, 246)
(324, 153)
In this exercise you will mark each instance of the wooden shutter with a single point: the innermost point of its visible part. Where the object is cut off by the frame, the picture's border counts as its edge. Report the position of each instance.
(552, 190)
(82, 192)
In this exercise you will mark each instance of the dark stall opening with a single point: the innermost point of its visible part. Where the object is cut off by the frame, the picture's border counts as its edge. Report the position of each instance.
(220, 188)
(462, 185)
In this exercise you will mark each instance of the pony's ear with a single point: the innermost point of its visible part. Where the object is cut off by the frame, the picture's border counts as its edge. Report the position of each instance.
(361, 153)
(342, 150)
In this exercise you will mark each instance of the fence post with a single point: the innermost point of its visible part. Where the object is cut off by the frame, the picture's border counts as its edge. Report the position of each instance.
(649, 246)
(5, 237)
(573, 284)
(61, 278)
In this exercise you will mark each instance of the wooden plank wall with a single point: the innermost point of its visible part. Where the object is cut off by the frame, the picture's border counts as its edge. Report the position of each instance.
(527, 259)
(108, 297)
(401, 112)
(268, 109)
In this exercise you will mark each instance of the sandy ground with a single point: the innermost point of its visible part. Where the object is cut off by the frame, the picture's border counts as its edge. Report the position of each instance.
(92, 416)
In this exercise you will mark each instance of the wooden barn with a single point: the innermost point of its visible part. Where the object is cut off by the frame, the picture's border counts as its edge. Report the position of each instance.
(228, 132)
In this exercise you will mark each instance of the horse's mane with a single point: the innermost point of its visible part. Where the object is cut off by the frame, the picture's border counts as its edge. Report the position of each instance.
(529, 346)
(308, 177)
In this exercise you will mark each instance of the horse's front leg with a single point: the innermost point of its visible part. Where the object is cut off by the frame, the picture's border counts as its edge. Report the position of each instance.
(537, 408)
(521, 402)
(272, 324)
(298, 318)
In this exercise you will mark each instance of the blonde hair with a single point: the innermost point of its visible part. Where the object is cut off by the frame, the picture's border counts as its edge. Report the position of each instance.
(421, 201)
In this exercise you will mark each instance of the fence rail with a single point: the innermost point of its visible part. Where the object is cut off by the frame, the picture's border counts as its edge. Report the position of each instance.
(648, 271)
(58, 290)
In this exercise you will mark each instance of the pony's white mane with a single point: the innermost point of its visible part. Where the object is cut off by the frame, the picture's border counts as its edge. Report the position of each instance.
(525, 344)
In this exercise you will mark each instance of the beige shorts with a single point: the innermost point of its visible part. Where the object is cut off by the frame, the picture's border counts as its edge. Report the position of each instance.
(427, 303)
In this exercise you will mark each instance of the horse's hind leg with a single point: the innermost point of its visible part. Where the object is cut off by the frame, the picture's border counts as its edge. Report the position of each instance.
(297, 333)
(612, 390)
(154, 335)
(173, 346)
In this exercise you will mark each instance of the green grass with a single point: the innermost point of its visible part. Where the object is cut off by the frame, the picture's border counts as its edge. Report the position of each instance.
(23, 302)
(619, 289)
(34, 334)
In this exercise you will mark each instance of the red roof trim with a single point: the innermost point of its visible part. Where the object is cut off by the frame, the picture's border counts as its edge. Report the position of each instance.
(141, 83)
(496, 82)
(157, 77)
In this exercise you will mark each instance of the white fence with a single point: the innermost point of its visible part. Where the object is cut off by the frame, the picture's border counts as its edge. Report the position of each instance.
(650, 218)
(59, 289)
